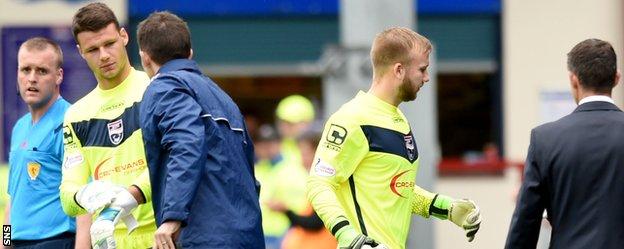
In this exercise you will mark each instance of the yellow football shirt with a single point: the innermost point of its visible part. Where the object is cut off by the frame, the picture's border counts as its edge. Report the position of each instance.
(365, 170)
(103, 141)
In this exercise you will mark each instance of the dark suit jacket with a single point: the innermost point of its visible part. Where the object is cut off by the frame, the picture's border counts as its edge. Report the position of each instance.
(575, 170)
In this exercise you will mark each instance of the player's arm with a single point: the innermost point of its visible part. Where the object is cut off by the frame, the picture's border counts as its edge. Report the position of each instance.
(178, 117)
(141, 189)
(75, 171)
(83, 239)
(462, 212)
(337, 156)
(527, 217)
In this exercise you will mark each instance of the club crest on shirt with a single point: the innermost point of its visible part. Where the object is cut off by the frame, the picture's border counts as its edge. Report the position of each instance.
(115, 131)
(33, 170)
(409, 146)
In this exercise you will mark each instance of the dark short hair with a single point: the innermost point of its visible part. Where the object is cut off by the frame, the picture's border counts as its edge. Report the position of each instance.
(93, 17)
(41, 43)
(594, 62)
(164, 37)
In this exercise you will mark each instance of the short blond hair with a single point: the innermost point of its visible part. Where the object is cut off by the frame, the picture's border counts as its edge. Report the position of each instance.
(394, 45)
(40, 44)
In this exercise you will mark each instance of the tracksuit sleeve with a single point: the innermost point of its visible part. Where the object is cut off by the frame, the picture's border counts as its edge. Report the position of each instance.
(183, 135)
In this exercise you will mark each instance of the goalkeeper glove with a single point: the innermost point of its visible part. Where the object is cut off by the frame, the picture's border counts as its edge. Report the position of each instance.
(104, 226)
(463, 213)
(95, 195)
(348, 238)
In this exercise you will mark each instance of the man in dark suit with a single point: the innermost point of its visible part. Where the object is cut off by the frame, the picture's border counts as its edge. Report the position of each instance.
(575, 165)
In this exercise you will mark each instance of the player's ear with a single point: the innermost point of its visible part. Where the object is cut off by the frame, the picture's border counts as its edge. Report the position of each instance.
(398, 70)
(124, 36)
(191, 54)
(59, 79)
(146, 60)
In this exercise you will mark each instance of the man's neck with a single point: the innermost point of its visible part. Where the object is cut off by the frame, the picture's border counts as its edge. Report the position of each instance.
(585, 94)
(107, 84)
(37, 112)
(385, 91)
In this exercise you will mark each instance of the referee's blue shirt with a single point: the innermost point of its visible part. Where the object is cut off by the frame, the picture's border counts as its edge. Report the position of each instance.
(35, 175)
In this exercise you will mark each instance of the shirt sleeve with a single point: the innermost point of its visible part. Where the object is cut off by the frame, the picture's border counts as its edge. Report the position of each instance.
(422, 201)
(183, 135)
(342, 147)
(75, 171)
(143, 183)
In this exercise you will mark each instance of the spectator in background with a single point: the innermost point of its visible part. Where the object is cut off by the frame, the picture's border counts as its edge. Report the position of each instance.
(295, 114)
(199, 153)
(307, 230)
(281, 182)
(104, 164)
(574, 165)
(37, 154)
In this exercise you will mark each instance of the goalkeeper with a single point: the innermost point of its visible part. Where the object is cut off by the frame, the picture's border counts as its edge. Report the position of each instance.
(362, 181)
(104, 164)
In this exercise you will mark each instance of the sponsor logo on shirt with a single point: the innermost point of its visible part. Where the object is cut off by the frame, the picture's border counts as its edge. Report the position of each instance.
(72, 160)
(68, 137)
(115, 131)
(402, 184)
(397, 119)
(33, 170)
(335, 137)
(103, 171)
(323, 169)
(112, 106)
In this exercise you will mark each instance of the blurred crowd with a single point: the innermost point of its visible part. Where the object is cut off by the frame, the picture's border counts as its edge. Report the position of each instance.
(284, 153)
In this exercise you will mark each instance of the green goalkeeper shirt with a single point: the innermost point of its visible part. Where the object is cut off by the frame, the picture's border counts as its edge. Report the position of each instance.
(103, 141)
(365, 170)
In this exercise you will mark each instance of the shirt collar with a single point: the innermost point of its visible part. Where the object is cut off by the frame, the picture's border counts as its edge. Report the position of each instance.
(596, 98)
(378, 102)
(179, 64)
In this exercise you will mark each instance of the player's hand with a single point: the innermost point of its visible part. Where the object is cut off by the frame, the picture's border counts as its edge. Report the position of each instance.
(97, 194)
(166, 235)
(104, 225)
(102, 231)
(348, 238)
(465, 214)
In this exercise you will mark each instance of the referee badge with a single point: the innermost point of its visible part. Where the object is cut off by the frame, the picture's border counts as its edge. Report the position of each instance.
(33, 170)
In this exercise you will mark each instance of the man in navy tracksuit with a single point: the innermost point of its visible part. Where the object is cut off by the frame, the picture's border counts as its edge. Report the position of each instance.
(199, 154)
